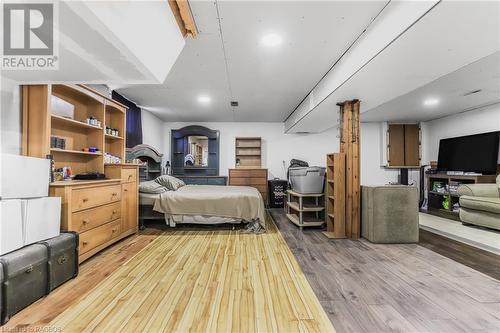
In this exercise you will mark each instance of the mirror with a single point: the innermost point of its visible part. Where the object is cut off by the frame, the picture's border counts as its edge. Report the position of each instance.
(197, 151)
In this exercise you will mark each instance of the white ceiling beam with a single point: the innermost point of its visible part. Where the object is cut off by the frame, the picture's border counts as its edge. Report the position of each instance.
(394, 20)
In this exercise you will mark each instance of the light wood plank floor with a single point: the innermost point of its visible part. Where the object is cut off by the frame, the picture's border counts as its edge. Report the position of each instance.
(202, 281)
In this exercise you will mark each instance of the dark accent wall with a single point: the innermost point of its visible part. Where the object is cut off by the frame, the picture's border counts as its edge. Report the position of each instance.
(134, 120)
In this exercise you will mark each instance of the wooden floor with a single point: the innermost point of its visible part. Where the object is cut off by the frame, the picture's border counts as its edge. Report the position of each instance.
(367, 287)
(182, 280)
(480, 260)
(200, 281)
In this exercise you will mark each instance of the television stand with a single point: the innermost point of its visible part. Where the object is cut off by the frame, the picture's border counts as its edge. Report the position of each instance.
(436, 195)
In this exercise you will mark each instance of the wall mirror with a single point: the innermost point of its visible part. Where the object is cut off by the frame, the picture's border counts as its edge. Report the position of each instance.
(195, 151)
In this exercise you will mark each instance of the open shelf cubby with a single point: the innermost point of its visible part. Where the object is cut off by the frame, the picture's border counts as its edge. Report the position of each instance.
(248, 152)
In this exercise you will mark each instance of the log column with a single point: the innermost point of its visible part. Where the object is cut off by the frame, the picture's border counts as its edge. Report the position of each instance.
(350, 146)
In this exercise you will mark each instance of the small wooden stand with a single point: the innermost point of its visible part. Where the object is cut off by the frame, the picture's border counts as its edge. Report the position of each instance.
(335, 196)
(300, 207)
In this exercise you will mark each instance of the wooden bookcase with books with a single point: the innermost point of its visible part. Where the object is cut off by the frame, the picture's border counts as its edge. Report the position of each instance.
(248, 152)
(335, 195)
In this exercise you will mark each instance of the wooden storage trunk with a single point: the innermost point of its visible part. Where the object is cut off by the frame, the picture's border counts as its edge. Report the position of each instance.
(62, 254)
(25, 278)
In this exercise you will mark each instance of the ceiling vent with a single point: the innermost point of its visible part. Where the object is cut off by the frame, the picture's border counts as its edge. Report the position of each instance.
(473, 92)
(234, 103)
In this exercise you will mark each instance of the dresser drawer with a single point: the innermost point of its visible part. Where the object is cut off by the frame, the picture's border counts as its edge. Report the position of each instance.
(258, 181)
(129, 175)
(216, 181)
(262, 173)
(94, 217)
(239, 173)
(93, 238)
(239, 181)
(96, 196)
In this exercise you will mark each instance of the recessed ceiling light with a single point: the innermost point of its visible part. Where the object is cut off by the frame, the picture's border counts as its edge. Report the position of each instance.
(271, 40)
(203, 99)
(431, 102)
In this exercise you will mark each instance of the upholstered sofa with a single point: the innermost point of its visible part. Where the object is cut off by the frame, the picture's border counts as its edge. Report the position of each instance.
(480, 204)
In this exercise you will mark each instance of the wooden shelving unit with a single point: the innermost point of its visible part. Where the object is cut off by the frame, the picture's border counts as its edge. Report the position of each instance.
(40, 124)
(435, 198)
(335, 195)
(305, 210)
(248, 151)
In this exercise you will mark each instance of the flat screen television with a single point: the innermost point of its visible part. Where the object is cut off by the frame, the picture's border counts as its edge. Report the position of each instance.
(472, 153)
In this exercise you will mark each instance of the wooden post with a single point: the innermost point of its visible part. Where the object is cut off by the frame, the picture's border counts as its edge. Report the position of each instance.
(350, 146)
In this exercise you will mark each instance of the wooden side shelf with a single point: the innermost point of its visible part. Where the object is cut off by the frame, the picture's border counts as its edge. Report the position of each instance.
(248, 151)
(305, 210)
(335, 194)
(435, 199)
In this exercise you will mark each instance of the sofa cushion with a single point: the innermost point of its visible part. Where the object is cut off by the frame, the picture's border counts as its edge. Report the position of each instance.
(484, 204)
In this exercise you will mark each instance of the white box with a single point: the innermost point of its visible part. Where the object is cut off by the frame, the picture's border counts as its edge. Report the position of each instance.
(24, 177)
(11, 225)
(42, 219)
(60, 107)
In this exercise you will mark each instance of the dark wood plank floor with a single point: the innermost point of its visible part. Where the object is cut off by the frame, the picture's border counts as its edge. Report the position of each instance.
(478, 259)
(367, 287)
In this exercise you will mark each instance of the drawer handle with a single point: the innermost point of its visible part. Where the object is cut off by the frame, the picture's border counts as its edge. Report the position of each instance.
(29, 269)
(114, 212)
(114, 194)
(85, 199)
(125, 190)
(85, 221)
(114, 230)
(85, 243)
(130, 176)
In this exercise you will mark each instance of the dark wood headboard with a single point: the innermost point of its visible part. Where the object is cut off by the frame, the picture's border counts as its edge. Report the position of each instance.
(152, 158)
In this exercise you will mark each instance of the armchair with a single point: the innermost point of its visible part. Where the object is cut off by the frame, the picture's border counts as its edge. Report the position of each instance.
(480, 204)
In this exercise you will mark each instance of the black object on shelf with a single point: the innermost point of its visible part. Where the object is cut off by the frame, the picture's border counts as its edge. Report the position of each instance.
(277, 192)
(90, 176)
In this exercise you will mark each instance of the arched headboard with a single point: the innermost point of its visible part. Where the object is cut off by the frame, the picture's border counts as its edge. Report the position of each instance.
(179, 148)
(150, 156)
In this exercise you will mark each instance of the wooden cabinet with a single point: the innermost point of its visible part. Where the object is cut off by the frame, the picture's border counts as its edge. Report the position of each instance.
(128, 175)
(96, 210)
(102, 211)
(403, 147)
(250, 177)
(335, 195)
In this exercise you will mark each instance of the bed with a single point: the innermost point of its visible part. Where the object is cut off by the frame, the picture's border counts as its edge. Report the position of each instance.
(205, 204)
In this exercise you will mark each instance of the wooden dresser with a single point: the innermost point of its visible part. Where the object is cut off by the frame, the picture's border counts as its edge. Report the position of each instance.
(98, 211)
(250, 177)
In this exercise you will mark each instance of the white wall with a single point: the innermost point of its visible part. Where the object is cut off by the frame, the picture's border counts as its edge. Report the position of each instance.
(10, 121)
(277, 146)
(477, 121)
(152, 130)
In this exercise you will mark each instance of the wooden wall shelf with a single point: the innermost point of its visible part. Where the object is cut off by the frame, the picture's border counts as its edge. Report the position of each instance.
(248, 151)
